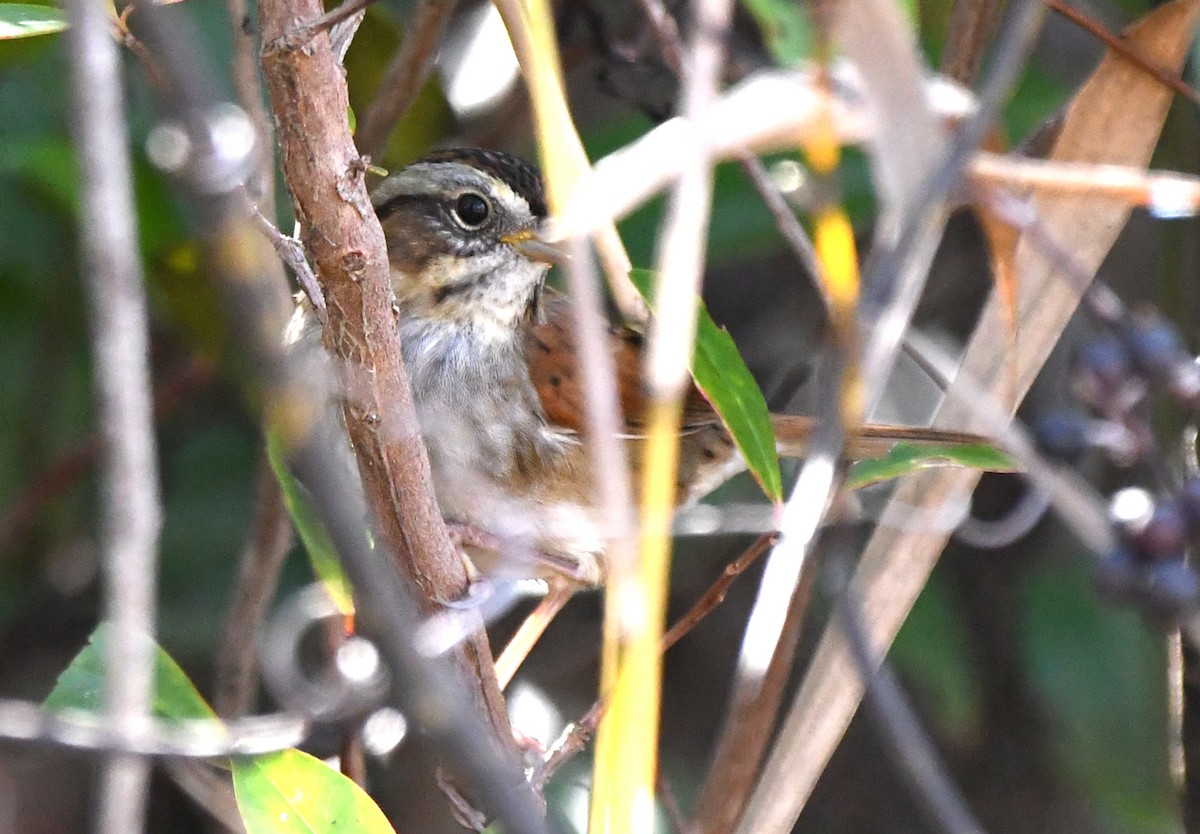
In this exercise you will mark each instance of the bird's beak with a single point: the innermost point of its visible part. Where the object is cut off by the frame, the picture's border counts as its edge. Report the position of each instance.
(533, 247)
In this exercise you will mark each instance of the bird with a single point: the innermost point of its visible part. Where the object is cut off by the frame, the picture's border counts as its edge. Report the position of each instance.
(493, 363)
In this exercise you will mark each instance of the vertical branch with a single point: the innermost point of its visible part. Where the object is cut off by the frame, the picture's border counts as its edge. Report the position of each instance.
(259, 565)
(325, 175)
(250, 97)
(131, 516)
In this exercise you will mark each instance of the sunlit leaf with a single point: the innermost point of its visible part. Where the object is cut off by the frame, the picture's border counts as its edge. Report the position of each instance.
(81, 685)
(20, 20)
(905, 458)
(722, 376)
(293, 793)
(317, 543)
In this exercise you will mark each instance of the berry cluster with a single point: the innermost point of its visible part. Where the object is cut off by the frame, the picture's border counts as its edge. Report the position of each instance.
(1112, 377)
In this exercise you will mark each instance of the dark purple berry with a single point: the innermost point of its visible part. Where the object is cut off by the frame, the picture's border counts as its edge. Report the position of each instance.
(1165, 535)
(1172, 588)
(1062, 434)
(1106, 360)
(1189, 501)
(1155, 345)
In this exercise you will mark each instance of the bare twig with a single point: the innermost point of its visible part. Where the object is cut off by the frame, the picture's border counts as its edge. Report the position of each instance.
(131, 514)
(789, 227)
(746, 734)
(249, 91)
(1164, 76)
(291, 252)
(191, 738)
(270, 538)
(971, 25)
(572, 741)
(670, 803)
(715, 594)
(1162, 192)
(529, 633)
(404, 76)
(911, 749)
(291, 39)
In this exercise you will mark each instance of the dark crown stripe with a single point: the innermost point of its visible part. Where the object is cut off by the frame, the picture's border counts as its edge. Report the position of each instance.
(517, 174)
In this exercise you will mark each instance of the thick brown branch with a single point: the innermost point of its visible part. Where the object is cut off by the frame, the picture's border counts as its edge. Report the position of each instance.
(325, 175)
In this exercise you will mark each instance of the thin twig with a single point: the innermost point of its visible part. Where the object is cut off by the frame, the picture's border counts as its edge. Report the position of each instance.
(1164, 76)
(530, 632)
(291, 252)
(298, 36)
(716, 592)
(912, 751)
(573, 740)
(670, 804)
(404, 76)
(575, 737)
(131, 513)
(28, 722)
(259, 565)
(751, 716)
(249, 89)
(789, 227)
(1163, 192)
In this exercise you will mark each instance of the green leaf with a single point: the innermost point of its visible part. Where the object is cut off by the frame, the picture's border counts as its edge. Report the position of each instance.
(21, 20)
(81, 685)
(316, 540)
(724, 379)
(785, 27)
(293, 793)
(905, 458)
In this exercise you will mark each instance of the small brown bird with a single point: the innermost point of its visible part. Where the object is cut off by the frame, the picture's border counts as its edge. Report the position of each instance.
(492, 361)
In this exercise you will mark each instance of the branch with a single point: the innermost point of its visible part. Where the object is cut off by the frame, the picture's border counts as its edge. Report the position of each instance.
(325, 174)
(301, 34)
(258, 575)
(404, 75)
(131, 513)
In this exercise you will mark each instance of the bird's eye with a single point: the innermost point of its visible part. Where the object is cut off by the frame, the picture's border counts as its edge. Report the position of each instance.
(472, 210)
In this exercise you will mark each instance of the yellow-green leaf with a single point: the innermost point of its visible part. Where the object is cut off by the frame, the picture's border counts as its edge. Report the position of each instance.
(293, 793)
(321, 552)
(81, 685)
(21, 20)
(905, 458)
(723, 378)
